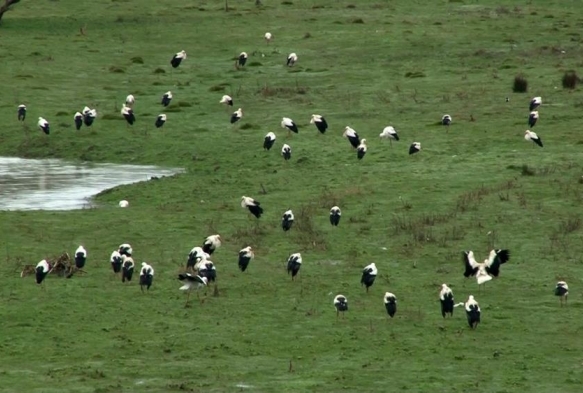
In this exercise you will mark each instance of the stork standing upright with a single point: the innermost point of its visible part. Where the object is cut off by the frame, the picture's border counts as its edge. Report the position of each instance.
(246, 255)
(80, 257)
(320, 123)
(369, 274)
(127, 269)
(211, 243)
(535, 103)
(286, 152)
(289, 125)
(532, 118)
(177, 59)
(166, 98)
(446, 300)
(287, 220)
(562, 291)
(473, 312)
(21, 112)
(292, 58)
(294, 263)
(42, 269)
(340, 304)
(389, 133)
(335, 215)
(269, 141)
(146, 276)
(252, 205)
(390, 301)
(352, 136)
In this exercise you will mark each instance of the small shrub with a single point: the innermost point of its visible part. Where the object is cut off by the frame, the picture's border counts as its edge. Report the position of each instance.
(520, 84)
(116, 70)
(358, 20)
(217, 88)
(62, 113)
(137, 60)
(570, 80)
(255, 64)
(287, 3)
(184, 104)
(416, 74)
(159, 71)
(527, 171)
(307, 35)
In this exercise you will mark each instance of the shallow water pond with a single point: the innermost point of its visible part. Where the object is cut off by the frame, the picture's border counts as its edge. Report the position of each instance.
(52, 184)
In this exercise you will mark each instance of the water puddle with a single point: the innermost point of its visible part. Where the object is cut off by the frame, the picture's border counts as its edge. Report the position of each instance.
(52, 184)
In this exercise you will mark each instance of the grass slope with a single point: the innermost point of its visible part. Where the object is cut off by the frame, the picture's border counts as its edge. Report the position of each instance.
(366, 64)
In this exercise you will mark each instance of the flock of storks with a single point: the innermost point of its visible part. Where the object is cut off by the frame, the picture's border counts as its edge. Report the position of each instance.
(200, 270)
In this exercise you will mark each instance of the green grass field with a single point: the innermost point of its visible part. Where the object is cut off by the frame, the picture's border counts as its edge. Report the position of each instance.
(366, 64)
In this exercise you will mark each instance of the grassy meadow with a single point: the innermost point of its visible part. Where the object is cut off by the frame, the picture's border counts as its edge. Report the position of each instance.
(366, 64)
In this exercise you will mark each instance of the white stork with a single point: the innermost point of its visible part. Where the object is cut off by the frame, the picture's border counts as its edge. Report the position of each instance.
(125, 249)
(335, 215)
(127, 268)
(160, 120)
(369, 273)
(535, 103)
(352, 136)
(446, 120)
(286, 152)
(128, 114)
(42, 269)
(532, 118)
(287, 220)
(485, 270)
(236, 116)
(196, 255)
(227, 100)
(446, 300)
(532, 136)
(361, 149)
(146, 276)
(269, 141)
(473, 312)
(390, 301)
(207, 269)
(80, 257)
(89, 116)
(389, 133)
(211, 243)
(294, 263)
(116, 260)
(43, 124)
(166, 98)
(291, 59)
(190, 282)
(340, 304)
(130, 100)
(245, 256)
(289, 124)
(177, 59)
(562, 290)
(242, 59)
(21, 112)
(78, 119)
(415, 148)
(253, 206)
(320, 123)
(268, 37)
(123, 203)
